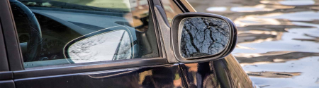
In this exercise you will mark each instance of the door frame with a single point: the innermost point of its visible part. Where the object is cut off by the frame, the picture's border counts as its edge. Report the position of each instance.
(6, 76)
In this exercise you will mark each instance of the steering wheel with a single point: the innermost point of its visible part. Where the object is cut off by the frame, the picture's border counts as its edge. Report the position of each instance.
(27, 22)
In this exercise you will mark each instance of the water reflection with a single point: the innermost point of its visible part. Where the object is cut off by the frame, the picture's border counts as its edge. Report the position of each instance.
(272, 57)
(273, 35)
(267, 74)
(306, 66)
(313, 38)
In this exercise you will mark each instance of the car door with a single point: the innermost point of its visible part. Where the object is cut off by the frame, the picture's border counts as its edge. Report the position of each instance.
(84, 44)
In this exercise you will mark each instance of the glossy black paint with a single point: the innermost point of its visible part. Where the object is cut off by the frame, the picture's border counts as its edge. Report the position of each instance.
(7, 84)
(9, 34)
(222, 73)
(145, 77)
(6, 76)
(3, 66)
(145, 73)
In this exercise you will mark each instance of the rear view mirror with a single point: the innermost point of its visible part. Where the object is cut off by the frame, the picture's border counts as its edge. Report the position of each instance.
(202, 36)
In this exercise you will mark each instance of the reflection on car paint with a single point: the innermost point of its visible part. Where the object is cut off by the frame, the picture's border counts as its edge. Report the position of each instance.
(223, 73)
(143, 77)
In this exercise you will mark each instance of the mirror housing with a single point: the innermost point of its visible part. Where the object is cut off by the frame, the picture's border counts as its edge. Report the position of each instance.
(200, 41)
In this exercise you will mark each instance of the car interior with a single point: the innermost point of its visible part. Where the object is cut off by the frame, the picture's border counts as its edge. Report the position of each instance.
(43, 32)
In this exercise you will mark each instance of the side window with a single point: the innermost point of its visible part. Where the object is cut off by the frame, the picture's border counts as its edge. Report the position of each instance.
(55, 32)
(171, 9)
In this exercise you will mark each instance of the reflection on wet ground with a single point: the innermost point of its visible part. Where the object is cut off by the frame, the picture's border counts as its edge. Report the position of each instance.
(278, 41)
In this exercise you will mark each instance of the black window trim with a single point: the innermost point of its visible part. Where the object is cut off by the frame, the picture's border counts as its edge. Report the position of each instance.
(90, 67)
(9, 34)
(181, 6)
(6, 75)
(16, 61)
(184, 5)
(3, 60)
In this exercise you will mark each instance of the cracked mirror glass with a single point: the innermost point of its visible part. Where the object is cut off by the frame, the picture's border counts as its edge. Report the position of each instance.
(203, 36)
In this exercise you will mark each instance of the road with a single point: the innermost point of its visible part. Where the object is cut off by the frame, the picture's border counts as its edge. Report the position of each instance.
(278, 40)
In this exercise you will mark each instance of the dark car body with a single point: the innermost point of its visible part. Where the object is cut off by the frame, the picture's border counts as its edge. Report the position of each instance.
(134, 73)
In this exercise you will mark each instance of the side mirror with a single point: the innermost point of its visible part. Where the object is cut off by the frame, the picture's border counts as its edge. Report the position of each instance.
(202, 36)
(114, 43)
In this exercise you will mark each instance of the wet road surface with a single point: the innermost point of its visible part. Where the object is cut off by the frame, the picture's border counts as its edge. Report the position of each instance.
(278, 40)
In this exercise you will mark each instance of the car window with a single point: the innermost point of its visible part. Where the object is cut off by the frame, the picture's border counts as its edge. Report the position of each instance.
(55, 32)
(171, 9)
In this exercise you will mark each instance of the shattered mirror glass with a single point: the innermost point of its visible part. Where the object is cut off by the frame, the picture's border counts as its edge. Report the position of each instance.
(203, 36)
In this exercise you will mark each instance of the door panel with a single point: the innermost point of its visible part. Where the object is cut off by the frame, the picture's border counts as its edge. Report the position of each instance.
(236, 74)
(91, 67)
(200, 75)
(7, 84)
(223, 73)
(164, 76)
(6, 79)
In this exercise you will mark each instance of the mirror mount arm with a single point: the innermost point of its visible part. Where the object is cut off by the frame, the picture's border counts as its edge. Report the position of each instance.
(165, 33)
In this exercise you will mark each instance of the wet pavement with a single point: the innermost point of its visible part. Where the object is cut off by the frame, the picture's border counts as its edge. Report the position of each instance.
(278, 40)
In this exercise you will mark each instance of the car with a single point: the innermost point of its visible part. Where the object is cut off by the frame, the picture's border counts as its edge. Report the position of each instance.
(116, 44)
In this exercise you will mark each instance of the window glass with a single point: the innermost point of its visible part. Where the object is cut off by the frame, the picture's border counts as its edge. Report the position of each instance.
(54, 32)
(171, 9)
